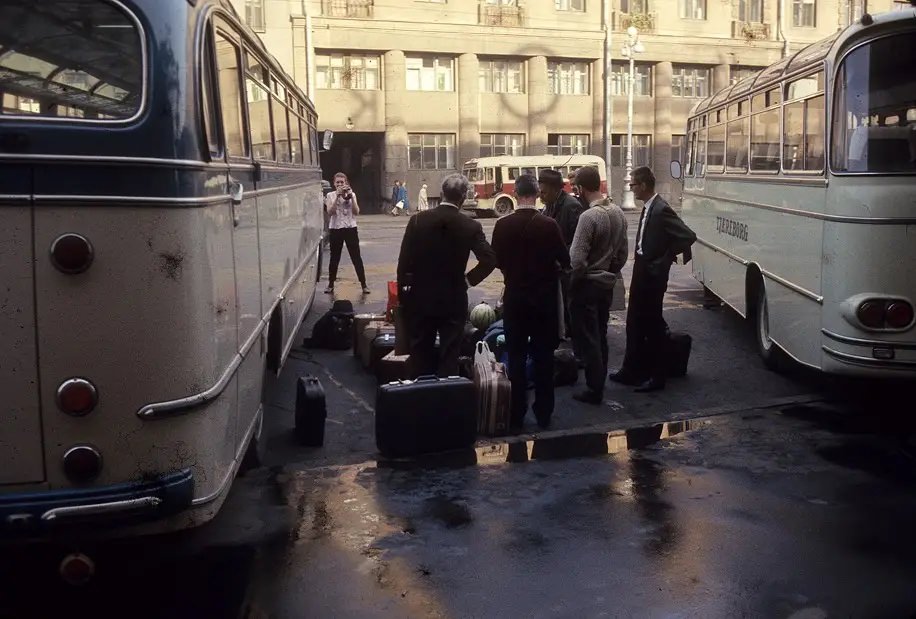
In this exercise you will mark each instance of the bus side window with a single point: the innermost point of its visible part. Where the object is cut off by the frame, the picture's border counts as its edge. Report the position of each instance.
(295, 138)
(258, 112)
(690, 154)
(208, 98)
(230, 97)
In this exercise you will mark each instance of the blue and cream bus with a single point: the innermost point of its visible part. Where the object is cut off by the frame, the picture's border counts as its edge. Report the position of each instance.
(800, 184)
(160, 228)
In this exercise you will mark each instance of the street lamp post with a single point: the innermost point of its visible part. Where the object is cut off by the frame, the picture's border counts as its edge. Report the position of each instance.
(631, 47)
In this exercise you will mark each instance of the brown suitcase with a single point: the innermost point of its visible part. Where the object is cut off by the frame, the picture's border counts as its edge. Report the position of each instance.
(494, 396)
(368, 335)
(393, 367)
(360, 321)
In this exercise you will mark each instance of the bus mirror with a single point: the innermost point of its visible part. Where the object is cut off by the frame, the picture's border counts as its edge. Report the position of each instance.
(676, 169)
(327, 138)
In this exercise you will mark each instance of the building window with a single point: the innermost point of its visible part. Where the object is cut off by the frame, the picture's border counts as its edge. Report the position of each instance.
(567, 144)
(634, 6)
(642, 150)
(567, 78)
(679, 148)
(431, 151)
(430, 73)
(692, 9)
(738, 73)
(642, 79)
(347, 71)
(569, 5)
(254, 14)
(502, 76)
(803, 13)
(501, 2)
(690, 81)
(750, 11)
(492, 144)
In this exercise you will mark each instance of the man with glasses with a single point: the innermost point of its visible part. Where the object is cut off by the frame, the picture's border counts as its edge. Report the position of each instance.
(660, 237)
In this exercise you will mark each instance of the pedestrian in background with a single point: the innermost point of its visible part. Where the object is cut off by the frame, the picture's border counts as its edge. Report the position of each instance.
(530, 252)
(403, 199)
(598, 252)
(660, 237)
(395, 189)
(423, 199)
(432, 283)
(342, 208)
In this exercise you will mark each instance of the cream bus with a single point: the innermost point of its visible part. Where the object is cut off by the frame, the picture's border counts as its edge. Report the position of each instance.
(800, 184)
(493, 178)
(160, 227)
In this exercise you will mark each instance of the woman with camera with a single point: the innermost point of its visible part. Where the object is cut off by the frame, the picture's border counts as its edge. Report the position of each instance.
(342, 208)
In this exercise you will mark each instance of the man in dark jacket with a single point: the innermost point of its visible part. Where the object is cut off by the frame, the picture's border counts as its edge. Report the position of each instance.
(530, 252)
(559, 205)
(660, 237)
(431, 278)
(565, 209)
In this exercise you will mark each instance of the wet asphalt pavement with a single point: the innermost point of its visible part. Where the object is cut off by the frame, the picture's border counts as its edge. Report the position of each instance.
(736, 492)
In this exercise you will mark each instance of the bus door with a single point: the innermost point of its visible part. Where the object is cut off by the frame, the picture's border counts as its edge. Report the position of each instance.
(489, 182)
(21, 453)
(241, 184)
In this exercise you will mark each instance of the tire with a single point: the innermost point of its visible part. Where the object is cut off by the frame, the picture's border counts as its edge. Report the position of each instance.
(503, 207)
(772, 355)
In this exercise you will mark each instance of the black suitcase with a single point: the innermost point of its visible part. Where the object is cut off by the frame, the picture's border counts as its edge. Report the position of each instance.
(380, 347)
(677, 353)
(311, 411)
(427, 415)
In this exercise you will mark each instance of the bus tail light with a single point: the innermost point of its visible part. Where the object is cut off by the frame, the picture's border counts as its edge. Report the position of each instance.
(871, 314)
(71, 253)
(77, 397)
(899, 314)
(82, 464)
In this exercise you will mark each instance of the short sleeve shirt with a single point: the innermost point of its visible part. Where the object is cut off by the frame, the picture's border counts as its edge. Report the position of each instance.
(344, 217)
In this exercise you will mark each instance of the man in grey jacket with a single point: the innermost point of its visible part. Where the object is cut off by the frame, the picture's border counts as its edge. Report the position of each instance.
(598, 252)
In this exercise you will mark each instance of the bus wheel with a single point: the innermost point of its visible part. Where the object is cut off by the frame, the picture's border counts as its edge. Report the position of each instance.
(503, 207)
(771, 354)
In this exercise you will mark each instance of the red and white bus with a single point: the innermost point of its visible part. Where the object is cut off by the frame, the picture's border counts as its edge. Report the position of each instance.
(493, 178)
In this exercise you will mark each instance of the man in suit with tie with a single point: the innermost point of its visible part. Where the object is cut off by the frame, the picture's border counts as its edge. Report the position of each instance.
(660, 237)
(530, 252)
(432, 283)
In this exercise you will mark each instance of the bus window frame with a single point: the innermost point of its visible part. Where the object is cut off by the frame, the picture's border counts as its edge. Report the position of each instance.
(265, 70)
(227, 31)
(819, 68)
(208, 96)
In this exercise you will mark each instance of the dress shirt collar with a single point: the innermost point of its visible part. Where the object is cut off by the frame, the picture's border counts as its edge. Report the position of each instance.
(454, 206)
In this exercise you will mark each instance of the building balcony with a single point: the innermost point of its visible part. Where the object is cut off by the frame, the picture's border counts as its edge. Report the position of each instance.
(644, 22)
(347, 8)
(501, 15)
(750, 31)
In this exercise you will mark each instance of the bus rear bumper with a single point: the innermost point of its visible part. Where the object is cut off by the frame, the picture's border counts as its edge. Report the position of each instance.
(35, 514)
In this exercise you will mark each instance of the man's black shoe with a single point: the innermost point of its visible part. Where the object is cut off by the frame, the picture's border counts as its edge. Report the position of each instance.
(624, 378)
(588, 397)
(653, 384)
(543, 422)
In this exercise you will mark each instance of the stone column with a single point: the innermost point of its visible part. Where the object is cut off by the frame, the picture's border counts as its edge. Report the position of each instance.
(468, 108)
(537, 105)
(598, 95)
(661, 143)
(720, 77)
(395, 123)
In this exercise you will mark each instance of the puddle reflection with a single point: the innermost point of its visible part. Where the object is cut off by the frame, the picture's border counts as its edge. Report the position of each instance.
(589, 444)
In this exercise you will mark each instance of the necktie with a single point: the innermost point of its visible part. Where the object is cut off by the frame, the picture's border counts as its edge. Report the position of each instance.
(642, 228)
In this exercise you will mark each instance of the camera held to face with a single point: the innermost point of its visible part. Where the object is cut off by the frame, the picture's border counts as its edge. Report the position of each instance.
(345, 192)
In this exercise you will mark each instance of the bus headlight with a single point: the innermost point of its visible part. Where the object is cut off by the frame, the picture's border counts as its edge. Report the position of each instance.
(871, 314)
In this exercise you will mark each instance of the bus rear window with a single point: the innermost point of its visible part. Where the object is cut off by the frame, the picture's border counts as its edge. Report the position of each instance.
(69, 59)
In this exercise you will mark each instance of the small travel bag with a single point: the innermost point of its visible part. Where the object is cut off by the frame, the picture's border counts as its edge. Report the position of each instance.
(677, 353)
(311, 411)
(494, 392)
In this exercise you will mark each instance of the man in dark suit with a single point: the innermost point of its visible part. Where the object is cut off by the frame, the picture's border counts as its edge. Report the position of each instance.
(530, 251)
(660, 237)
(431, 278)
